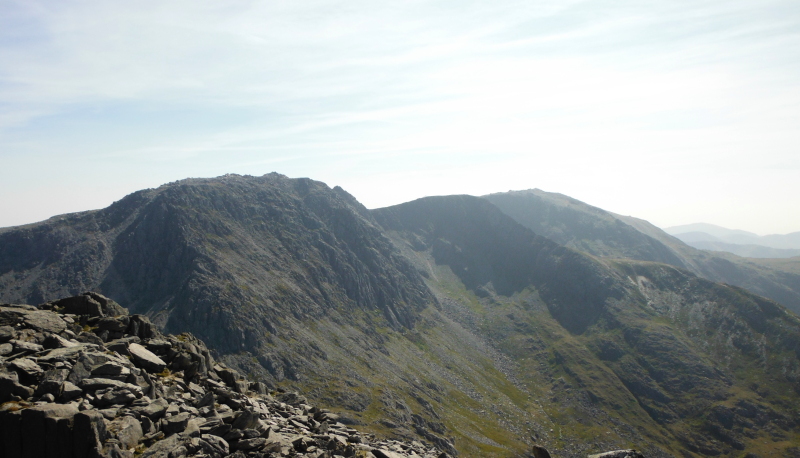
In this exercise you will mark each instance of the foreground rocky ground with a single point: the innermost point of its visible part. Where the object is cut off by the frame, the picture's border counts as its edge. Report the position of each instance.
(79, 377)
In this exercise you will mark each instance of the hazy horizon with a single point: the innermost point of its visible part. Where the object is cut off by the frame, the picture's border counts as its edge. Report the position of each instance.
(676, 113)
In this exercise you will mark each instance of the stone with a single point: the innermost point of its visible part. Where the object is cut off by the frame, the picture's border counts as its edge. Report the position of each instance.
(155, 410)
(162, 448)
(127, 430)
(56, 341)
(91, 384)
(159, 346)
(116, 397)
(112, 449)
(111, 368)
(37, 437)
(70, 391)
(249, 444)
(11, 432)
(175, 424)
(247, 419)
(66, 353)
(10, 386)
(213, 446)
(113, 324)
(7, 333)
(292, 398)
(109, 306)
(229, 376)
(121, 345)
(21, 346)
(141, 327)
(52, 382)
(6, 349)
(27, 367)
(40, 320)
(540, 452)
(146, 359)
(80, 305)
(629, 453)
(89, 434)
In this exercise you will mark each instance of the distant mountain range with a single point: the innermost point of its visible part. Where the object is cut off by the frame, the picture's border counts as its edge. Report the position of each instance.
(715, 238)
(482, 326)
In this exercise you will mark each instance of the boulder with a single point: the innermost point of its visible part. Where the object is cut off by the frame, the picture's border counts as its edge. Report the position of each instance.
(7, 333)
(10, 386)
(27, 369)
(154, 410)
(21, 346)
(540, 452)
(80, 305)
(91, 384)
(213, 446)
(39, 320)
(89, 434)
(175, 424)
(127, 430)
(37, 438)
(146, 359)
(11, 432)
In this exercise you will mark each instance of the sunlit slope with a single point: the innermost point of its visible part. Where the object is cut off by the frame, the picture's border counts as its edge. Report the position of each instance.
(592, 230)
(622, 352)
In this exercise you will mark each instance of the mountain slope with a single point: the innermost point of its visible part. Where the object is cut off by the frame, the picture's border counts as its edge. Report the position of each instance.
(441, 319)
(651, 354)
(577, 225)
(595, 231)
(289, 281)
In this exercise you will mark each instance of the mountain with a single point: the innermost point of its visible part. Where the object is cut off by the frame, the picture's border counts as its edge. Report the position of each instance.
(718, 233)
(595, 231)
(745, 251)
(611, 343)
(442, 320)
(577, 225)
(702, 232)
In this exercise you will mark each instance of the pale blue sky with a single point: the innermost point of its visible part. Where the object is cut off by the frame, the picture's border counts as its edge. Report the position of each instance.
(675, 112)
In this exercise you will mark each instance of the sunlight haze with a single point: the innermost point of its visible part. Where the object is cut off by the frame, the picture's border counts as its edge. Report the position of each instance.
(674, 112)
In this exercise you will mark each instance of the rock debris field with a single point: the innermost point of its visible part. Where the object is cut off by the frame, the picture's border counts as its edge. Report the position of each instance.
(80, 377)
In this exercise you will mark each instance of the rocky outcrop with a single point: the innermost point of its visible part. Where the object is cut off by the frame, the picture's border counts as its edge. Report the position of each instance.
(630, 453)
(102, 383)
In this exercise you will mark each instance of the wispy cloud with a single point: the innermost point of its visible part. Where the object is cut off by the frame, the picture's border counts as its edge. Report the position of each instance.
(321, 86)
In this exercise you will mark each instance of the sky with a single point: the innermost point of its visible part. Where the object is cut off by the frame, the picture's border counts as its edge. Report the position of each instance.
(675, 112)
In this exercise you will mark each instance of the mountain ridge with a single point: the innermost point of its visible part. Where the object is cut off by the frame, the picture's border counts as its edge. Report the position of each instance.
(442, 319)
(608, 235)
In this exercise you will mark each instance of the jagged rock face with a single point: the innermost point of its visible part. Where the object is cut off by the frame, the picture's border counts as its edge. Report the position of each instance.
(71, 392)
(214, 256)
